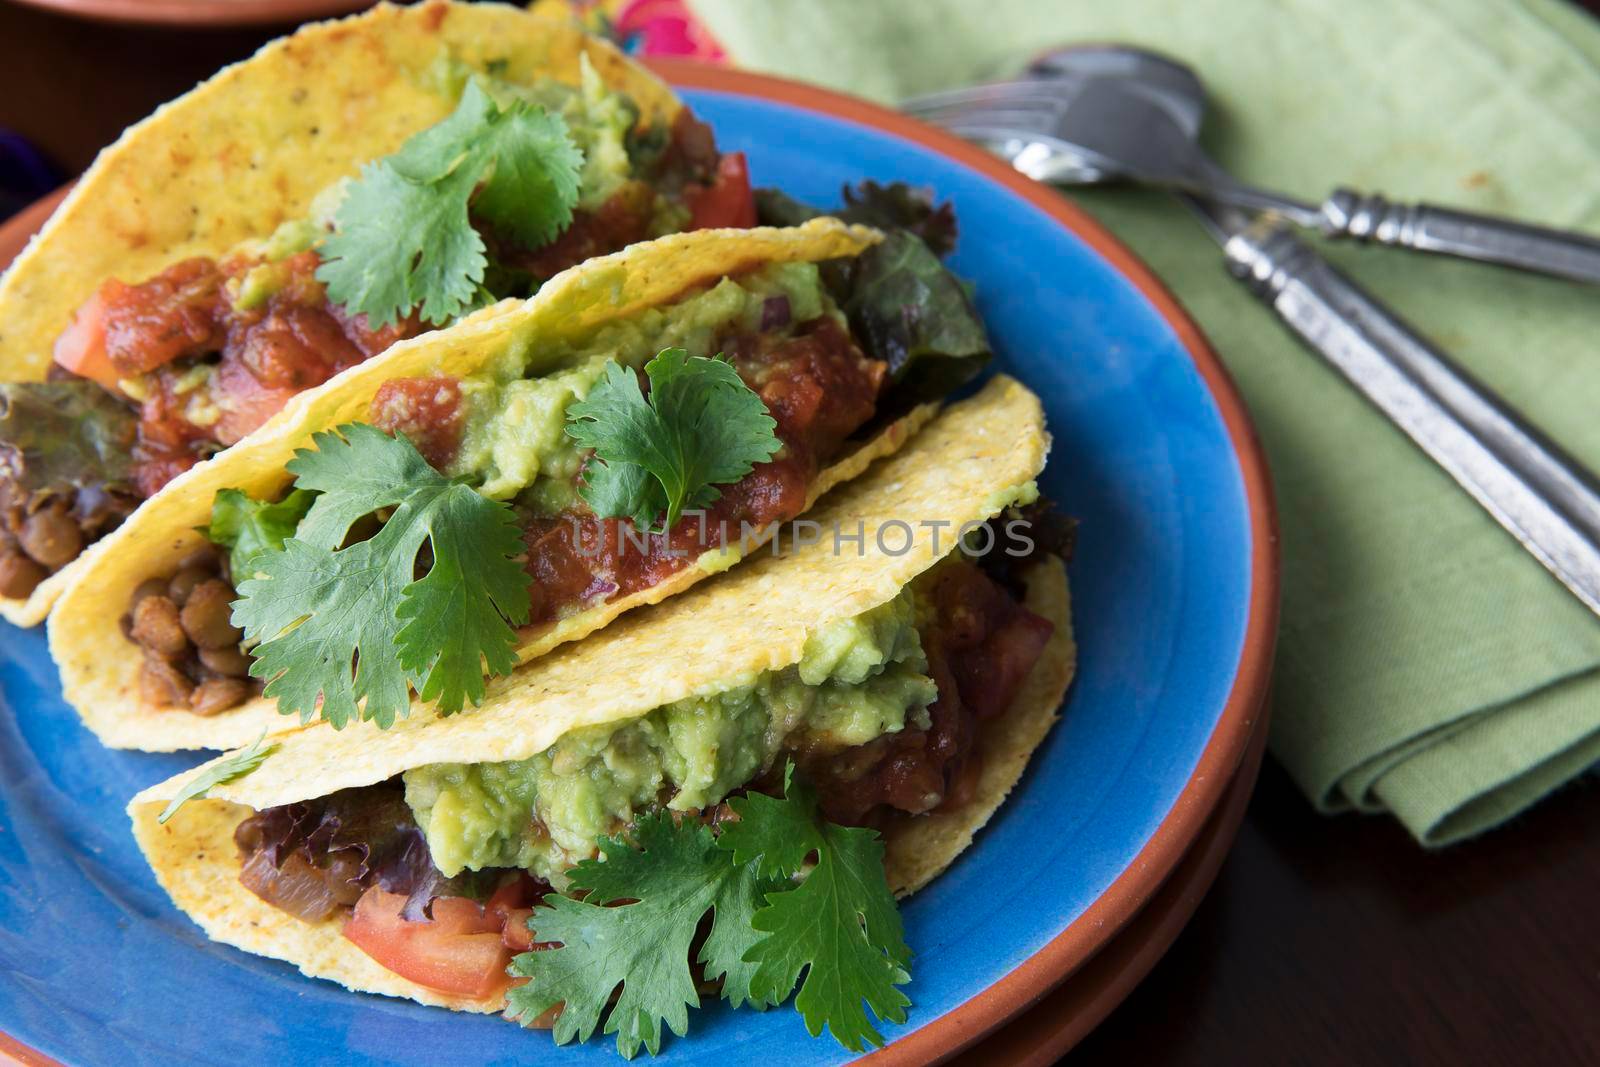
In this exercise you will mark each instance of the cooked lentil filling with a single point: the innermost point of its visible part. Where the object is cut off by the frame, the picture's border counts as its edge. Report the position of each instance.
(192, 657)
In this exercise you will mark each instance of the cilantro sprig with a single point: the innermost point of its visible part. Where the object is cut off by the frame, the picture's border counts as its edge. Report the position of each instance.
(632, 931)
(862, 956)
(675, 876)
(226, 770)
(701, 426)
(402, 236)
(353, 628)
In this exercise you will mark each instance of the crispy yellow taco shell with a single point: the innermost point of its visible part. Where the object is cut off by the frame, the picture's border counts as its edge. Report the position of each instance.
(963, 468)
(250, 148)
(100, 667)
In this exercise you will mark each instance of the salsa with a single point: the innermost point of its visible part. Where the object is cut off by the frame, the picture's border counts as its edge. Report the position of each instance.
(816, 383)
(209, 351)
(427, 410)
(981, 645)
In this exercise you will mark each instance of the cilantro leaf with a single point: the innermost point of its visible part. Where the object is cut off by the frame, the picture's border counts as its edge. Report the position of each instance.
(249, 528)
(839, 925)
(772, 920)
(622, 489)
(341, 626)
(673, 878)
(225, 770)
(530, 193)
(403, 239)
(400, 245)
(700, 427)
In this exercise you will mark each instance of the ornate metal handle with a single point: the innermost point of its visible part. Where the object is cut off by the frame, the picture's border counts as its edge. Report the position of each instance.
(1425, 228)
(1546, 500)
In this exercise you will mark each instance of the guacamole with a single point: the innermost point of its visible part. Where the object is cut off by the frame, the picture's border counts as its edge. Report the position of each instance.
(515, 436)
(858, 679)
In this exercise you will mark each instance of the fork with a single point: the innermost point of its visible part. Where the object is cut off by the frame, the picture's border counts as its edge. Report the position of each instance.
(1546, 500)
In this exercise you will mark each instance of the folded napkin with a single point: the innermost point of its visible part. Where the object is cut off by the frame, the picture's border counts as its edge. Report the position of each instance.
(1427, 665)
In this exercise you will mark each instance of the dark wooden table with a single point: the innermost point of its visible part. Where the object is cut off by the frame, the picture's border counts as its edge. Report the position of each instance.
(1332, 941)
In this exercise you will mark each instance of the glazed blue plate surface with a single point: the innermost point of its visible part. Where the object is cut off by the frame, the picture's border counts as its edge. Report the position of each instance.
(100, 968)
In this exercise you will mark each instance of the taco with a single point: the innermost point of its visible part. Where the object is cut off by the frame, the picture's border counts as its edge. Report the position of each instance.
(351, 185)
(715, 749)
(480, 494)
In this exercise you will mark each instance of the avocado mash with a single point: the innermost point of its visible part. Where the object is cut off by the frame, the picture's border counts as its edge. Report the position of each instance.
(858, 679)
(515, 437)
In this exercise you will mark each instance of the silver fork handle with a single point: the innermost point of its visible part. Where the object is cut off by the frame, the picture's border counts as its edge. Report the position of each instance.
(1543, 498)
(1488, 238)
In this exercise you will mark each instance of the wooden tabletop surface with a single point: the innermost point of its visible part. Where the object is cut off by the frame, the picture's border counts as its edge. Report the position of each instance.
(1325, 941)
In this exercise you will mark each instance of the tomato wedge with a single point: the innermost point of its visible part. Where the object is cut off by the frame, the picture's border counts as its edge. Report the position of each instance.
(81, 347)
(458, 952)
(727, 201)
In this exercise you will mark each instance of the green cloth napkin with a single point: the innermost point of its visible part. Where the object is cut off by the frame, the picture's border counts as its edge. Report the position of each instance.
(1427, 666)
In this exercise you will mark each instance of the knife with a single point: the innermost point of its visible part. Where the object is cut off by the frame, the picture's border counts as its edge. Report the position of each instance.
(1544, 498)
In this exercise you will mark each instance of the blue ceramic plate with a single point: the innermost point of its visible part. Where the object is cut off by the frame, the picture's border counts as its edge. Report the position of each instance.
(1173, 587)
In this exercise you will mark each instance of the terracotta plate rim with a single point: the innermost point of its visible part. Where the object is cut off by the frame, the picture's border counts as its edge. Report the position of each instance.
(1070, 1012)
(199, 12)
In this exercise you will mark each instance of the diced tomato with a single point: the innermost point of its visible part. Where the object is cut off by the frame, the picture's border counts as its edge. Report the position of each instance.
(292, 348)
(727, 201)
(427, 410)
(970, 607)
(81, 348)
(560, 561)
(176, 314)
(266, 361)
(374, 340)
(511, 903)
(692, 150)
(622, 220)
(817, 384)
(244, 402)
(990, 675)
(458, 952)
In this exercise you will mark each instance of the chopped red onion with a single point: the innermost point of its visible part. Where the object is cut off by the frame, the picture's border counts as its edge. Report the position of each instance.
(775, 312)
